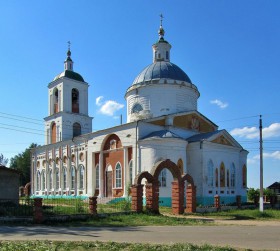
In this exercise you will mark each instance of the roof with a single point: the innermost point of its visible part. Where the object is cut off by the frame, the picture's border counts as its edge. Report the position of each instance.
(161, 69)
(275, 185)
(4, 168)
(202, 136)
(71, 75)
(163, 134)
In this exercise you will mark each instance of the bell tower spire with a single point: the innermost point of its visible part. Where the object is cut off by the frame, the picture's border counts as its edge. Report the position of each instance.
(68, 63)
(161, 49)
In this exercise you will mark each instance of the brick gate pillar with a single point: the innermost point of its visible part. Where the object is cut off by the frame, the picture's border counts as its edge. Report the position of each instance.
(137, 198)
(177, 197)
(191, 199)
(238, 201)
(92, 205)
(38, 210)
(217, 202)
(152, 197)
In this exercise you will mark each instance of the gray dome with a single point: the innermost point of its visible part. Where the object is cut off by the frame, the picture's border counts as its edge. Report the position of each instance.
(70, 74)
(161, 69)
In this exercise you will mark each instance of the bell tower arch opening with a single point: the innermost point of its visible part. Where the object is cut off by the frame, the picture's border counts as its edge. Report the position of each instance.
(75, 100)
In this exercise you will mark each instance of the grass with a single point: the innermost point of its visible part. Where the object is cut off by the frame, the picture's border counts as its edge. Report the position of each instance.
(134, 219)
(106, 246)
(246, 214)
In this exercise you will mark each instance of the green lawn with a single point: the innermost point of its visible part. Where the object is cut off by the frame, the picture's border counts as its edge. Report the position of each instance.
(105, 246)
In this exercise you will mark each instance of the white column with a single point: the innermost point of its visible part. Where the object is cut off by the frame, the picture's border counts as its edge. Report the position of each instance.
(101, 176)
(125, 171)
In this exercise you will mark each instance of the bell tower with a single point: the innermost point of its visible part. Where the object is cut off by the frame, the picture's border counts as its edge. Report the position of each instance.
(68, 105)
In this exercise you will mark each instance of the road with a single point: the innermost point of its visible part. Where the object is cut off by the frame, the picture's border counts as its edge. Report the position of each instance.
(252, 237)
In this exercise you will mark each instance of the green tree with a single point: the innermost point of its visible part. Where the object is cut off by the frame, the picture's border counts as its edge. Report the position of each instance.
(3, 160)
(253, 193)
(21, 163)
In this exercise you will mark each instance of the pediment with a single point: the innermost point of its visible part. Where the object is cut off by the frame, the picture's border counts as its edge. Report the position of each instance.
(222, 140)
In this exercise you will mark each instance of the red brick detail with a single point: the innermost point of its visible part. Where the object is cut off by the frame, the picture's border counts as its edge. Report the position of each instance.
(129, 150)
(38, 211)
(217, 202)
(191, 199)
(92, 205)
(136, 198)
(177, 197)
(96, 158)
(113, 137)
(152, 197)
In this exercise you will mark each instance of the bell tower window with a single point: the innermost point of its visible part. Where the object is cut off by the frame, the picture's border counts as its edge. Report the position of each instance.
(75, 101)
(55, 103)
(76, 129)
(53, 134)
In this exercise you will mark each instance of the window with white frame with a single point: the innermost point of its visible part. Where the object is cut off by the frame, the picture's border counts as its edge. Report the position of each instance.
(43, 180)
(97, 176)
(73, 177)
(64, 178)
(232, 175)
(81, 176)
(38, 181)
(162, 178)
(130, 171)
(210, 173)
(50, 179)
(118, 176)
(57, 178)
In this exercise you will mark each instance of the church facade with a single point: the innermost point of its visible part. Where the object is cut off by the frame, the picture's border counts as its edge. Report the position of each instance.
(163, 123)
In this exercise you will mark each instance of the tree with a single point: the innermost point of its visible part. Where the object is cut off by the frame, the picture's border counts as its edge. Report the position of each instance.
(3, 160)
(21, 163)
(253, 194)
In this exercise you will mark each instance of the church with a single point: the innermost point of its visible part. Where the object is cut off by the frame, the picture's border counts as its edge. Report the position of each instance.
(163, 126)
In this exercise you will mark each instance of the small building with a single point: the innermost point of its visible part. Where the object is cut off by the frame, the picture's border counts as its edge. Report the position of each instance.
(9, 183)
(275, 187)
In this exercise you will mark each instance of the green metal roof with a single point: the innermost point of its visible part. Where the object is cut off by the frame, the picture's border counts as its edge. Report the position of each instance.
(71, 75)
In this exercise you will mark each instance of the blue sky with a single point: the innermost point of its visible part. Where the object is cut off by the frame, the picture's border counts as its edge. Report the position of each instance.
(229, 49)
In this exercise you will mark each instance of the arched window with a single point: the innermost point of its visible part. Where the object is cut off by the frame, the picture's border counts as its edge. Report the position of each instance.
(244, 176)
(53, 133)
(210, 173)
(180, 165)
(81, 176)
(50, 179)
(222, 175)
(167, 55)
(38, 181)
(76, 129)
(73, 177)
(216, 177)
(75, 101)
(55, 101)
(232, 175)
(137, 108)
(43, 176)
(64, 178)
(57, 179)
(227, 178)
(162, 178)
(97, 176)
(118, 176)
(130, 171)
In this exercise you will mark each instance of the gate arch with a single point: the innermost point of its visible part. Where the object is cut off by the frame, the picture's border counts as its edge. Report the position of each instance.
(190, 193)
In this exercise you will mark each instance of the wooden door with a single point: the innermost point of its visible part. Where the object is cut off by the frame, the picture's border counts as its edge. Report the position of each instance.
(108, 183)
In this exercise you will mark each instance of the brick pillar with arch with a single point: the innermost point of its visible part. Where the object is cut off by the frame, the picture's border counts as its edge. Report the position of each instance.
(152, 197)
(177, 197)
(191, 199)
(136, 193)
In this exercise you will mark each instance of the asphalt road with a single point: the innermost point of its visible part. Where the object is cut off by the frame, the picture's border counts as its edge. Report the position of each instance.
(253, 237)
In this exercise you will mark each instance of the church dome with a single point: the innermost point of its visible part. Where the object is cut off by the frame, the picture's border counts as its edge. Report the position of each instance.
(160, 70)
(70, 74)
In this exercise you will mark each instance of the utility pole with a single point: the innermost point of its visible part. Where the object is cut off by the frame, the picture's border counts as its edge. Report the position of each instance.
(261, 166)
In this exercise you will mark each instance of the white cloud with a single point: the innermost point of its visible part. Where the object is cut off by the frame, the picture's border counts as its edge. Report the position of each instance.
(255, 159)
(98, 100)
(219, 103)
(253, 132)
(110, 107)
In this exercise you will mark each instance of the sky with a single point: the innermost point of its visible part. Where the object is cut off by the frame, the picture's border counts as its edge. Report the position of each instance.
(229, 49)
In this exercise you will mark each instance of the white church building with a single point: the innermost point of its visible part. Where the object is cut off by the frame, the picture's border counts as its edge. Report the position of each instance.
(162, 123)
